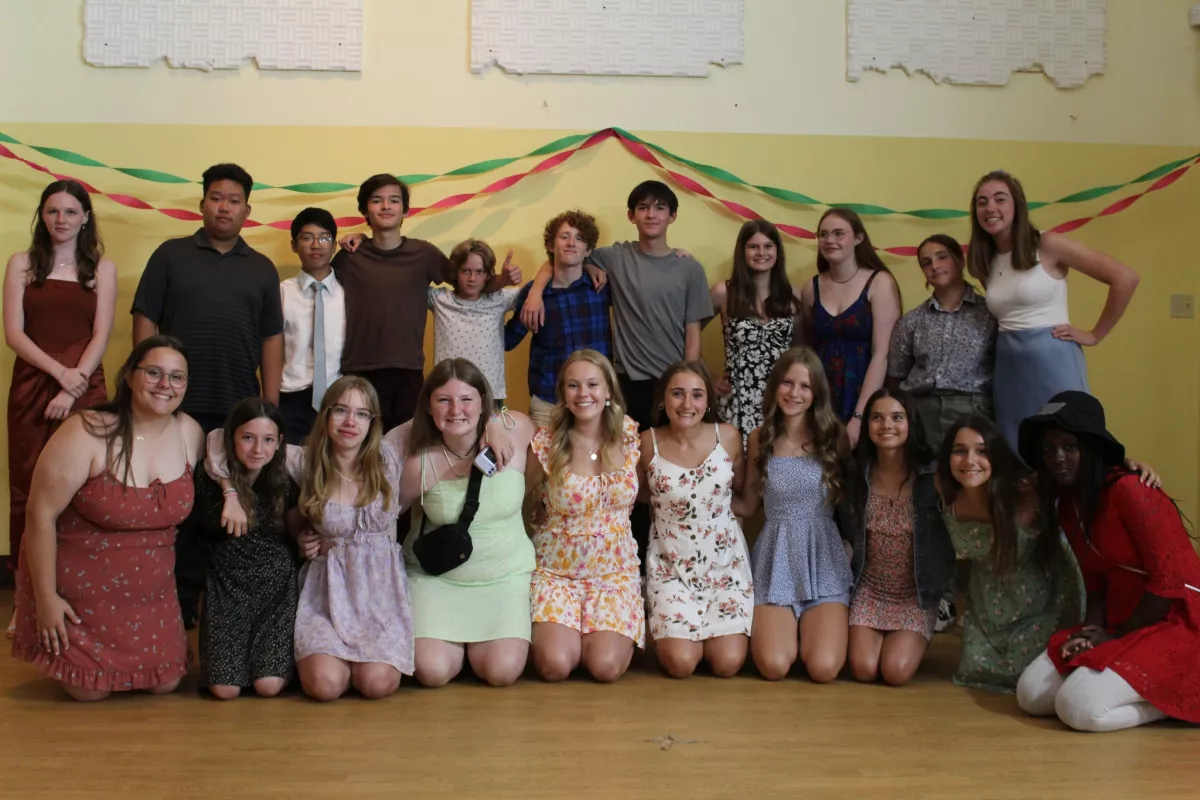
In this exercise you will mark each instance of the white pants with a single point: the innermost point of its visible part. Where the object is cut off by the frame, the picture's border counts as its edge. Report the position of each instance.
(1086, 700)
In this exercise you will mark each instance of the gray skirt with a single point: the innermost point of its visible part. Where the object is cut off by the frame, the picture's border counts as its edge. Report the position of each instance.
(1031, 367)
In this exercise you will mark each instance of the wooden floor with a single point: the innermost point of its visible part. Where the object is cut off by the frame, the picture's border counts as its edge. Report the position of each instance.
(647, 736)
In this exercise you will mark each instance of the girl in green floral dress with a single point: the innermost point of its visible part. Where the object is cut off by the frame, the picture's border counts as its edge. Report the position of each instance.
(1024, 586)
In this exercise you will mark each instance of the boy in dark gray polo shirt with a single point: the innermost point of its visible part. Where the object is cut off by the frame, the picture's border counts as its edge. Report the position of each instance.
(220, 297)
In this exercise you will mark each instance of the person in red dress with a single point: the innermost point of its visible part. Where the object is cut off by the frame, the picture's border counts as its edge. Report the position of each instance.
(96, 603)
(59, 300)
(1136, 658)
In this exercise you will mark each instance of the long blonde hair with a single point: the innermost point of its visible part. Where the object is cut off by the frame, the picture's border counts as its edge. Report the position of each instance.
(562, 420)
(319, 467)
(828, 445)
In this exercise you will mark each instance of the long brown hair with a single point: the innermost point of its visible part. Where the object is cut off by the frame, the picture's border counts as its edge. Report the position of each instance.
(88, 247)
(696, 368)
(828, 445)
(273, 478)
(118, 433)
(562, 420)
(1002, 490)
(1025, 238)
(864, 252)
(319, 466)
(742, 301)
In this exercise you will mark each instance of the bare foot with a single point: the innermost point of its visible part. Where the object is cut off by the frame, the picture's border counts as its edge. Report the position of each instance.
(11, 630)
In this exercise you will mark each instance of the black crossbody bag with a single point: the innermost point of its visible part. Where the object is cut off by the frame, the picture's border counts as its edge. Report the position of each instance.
(448, 546)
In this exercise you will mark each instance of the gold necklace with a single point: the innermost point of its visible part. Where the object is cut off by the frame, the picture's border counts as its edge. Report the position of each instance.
(593, 452)
(339, 473)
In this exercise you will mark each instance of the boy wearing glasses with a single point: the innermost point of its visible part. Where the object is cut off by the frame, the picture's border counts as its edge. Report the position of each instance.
(314, 324)
(220, 297)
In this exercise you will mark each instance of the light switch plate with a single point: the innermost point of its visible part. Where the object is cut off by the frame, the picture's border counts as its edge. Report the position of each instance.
(1183, 306)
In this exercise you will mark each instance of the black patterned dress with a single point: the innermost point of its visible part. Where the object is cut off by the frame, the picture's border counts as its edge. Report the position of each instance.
(752, 346)
(250, 591)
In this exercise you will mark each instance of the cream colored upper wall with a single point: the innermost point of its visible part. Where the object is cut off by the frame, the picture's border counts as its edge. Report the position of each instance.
(793, 82)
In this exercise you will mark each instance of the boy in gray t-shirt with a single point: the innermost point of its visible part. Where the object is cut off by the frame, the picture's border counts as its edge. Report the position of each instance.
(660, 300)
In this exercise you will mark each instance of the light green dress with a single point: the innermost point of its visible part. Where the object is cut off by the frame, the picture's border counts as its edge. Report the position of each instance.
(1009, 619)
(487, 597)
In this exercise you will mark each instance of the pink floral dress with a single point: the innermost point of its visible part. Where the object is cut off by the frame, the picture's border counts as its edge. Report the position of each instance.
(588, 572)
(698, 579)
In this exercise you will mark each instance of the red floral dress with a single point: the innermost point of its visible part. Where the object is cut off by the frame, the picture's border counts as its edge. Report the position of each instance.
(116, 568)
(1138, 544)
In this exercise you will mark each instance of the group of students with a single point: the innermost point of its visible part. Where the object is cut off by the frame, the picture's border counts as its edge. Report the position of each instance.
(853, 562)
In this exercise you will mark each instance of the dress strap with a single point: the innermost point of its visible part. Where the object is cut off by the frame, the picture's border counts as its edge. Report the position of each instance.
(867, 286)
(654, 439)
(717, 428)
(816, 291)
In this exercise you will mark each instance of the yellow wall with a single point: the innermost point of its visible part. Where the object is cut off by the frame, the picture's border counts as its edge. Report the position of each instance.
(925, 149)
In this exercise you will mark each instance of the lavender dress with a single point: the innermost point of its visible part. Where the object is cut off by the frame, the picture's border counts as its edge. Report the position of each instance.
(354, 601)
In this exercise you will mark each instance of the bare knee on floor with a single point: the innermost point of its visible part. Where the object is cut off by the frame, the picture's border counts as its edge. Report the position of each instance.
(374, 681)
(225, 692)
(726, 665)
(865, 668)
(898, 672)
(607, 666)
(269, 687)
(554, 665)
(773, 665)
(438, 674)
(676, 662)
(824, 667)
(500, 672)
(324, 687)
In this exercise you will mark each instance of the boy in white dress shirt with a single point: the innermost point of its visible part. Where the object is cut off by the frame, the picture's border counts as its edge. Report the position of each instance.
(308, 370)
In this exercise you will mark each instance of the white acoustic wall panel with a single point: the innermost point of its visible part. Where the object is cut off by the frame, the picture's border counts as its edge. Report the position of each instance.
(222, 34)
(606, 37)
(979, 41)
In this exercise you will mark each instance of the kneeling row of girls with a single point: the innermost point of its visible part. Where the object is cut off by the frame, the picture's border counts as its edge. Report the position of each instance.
(1100, 625)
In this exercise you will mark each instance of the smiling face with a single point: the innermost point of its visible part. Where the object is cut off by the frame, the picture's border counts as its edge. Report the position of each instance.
(63, 217)
(570, 247)
(255, 444)
(685, 400)
(969, 462)
(158, 382)
(795, 394)
(939, 266)
(887, 424)
(225, 209)
(385, 208)
(1061, 456)
(994, 207)
(584, 390)
(761, 253)
(455, 407)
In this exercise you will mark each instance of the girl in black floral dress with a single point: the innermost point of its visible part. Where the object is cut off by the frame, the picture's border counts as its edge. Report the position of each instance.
(761, 316)
(251, 590)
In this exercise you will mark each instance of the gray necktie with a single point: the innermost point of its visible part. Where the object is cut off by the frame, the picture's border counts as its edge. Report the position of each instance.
(319, 379)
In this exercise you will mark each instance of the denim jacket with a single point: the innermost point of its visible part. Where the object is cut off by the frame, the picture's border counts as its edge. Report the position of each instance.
(932, 548)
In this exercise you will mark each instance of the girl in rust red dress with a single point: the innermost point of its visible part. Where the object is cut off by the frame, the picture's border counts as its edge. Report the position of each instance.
(59, 300)
(1136, 658)
(96, 603)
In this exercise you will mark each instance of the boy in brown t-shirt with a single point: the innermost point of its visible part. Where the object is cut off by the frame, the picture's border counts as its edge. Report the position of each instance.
(387, 278)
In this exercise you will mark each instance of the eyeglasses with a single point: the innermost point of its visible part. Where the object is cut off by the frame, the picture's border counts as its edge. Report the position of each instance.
(308, 238)
(154, 376)
(361, 415)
